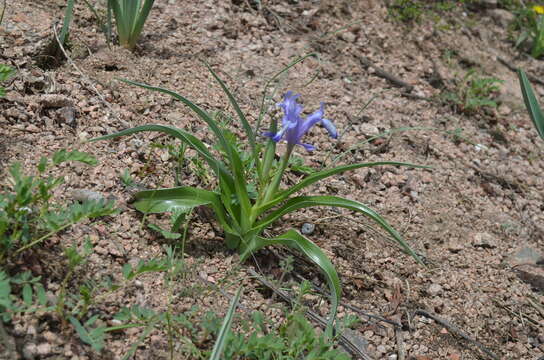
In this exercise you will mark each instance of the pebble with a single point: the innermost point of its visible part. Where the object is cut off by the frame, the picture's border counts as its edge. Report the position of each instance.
(307, 228)
(484, 240)
(44, 349)
(434, 289)
(86, 195)
(29, 351)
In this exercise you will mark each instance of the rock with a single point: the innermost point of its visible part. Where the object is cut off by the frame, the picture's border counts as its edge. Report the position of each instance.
(484, 240)
(44, 349)
(504, 109)
(434, 289)
(307, 228)
(454, 245)
(29, 351)
(368, 129)
(525, 255)
(82, 195)
(501, 17)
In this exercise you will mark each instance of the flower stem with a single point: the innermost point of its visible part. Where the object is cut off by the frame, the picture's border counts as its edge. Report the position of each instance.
(274, 185)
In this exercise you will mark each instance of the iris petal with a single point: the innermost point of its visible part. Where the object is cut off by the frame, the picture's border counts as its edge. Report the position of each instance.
(330, 128)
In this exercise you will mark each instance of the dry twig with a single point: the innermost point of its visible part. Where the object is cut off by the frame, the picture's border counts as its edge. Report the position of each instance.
(455, 330)
(347, 344)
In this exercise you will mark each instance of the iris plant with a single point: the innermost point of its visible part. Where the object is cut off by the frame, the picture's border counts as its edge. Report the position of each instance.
(243, 215)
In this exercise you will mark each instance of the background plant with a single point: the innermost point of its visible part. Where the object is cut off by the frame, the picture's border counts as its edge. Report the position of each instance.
(531, 103)
(474, 92)
(5, 73)
(28, 212)
(242, 216)
(529, 21)
(130, 17)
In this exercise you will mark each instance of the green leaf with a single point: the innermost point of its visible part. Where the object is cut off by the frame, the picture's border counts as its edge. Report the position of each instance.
(294, 239)
(216, 165)
(247, 128)
(64, 156)
(94, 338)
(531, 103)
(185, 197)
(165, 233)
(334, 201)
(68, 14)
(315, 177)
(225, 328)
(27, 294)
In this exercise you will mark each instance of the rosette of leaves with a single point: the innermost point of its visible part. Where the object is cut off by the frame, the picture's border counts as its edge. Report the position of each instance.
(249, 197)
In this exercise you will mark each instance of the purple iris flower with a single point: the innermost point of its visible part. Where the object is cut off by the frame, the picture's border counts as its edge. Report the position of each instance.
(293, 127)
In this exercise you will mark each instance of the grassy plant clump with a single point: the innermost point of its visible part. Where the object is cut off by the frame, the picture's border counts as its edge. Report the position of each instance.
(130, 17)
(249, 196)
(529, 23)
(406, 10)
(28, 214)
(474, 92)
(5, 73)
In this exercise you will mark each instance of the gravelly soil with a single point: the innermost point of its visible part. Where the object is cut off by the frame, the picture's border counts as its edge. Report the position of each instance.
(467, 216)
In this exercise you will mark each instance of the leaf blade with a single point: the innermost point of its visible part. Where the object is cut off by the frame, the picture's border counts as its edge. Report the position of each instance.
(334, 201)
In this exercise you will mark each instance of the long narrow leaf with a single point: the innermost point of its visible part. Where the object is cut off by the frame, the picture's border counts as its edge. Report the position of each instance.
(294, 239)
(68, 14)
(184, 198)
(225, 328)
(233, 156)
(217, 166)
(249, 131)
(531, 103)
(195, 108)
(140, 21)
(315, 177)
(334, 201)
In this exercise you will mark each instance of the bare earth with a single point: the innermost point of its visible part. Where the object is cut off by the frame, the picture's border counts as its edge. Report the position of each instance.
(469, 216)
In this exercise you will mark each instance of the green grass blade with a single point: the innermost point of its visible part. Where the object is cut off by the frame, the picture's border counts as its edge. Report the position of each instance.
(531, 103)
(249, 131)
(140, 21)
(313, 178)
(120, 20)
(234, 158)
(216, 165)
(225, 328)
(195, 108)
(294, 239)
(68, 15)
(334, 201)
(180, 198)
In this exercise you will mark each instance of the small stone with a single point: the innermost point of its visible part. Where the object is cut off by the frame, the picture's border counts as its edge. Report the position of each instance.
(454, 245)
(368, 129)
(504, 109)
(29, 351)
(484, 240)
(434, 289)
(44, 349)
(307, 228)
(381, 349)
(82, 195)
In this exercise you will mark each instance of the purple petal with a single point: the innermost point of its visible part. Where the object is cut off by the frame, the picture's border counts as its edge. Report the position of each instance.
(311, 120)
(308, 147)
(330, 128)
